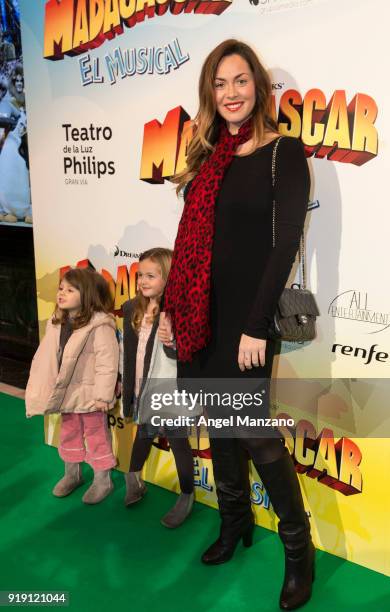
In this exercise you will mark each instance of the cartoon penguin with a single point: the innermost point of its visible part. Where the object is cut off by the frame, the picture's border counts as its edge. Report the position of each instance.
(15, 197)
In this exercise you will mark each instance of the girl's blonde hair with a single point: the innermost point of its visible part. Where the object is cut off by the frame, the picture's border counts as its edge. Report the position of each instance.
(207, 120)
(163, 258)
(95, 296)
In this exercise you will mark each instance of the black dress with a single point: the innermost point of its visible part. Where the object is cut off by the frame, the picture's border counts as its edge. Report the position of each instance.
(247, 274)
(247, 278)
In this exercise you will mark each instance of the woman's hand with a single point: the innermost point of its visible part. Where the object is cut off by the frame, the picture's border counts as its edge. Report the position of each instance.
(102, 406)
(251, 352)
(165, 334)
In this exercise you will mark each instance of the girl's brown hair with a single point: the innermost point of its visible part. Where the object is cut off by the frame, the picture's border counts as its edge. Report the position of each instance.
(163, 258)
(207, 120)
(95, 296)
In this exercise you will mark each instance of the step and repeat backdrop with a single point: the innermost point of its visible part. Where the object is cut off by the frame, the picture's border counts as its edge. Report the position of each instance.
(111, 87)
(15, 197)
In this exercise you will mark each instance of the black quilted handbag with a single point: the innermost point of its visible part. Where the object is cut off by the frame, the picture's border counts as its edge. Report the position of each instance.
(295, 316)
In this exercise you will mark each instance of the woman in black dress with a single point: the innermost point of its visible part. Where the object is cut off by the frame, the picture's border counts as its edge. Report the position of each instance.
(225, 282)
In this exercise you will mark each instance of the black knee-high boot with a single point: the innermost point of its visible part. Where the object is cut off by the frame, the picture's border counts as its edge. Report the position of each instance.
(231, 477)
(281, 482)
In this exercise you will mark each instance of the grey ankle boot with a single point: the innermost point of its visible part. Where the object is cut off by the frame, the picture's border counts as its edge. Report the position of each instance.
(100, 488)
(178, 514)
(135, 488)
(72, 479)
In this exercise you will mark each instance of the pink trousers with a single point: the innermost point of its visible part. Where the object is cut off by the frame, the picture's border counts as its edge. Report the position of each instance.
(85, 437)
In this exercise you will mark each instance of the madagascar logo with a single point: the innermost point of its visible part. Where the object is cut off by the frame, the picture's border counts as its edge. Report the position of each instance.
(336, 129)
(320, 457)
(75, 26)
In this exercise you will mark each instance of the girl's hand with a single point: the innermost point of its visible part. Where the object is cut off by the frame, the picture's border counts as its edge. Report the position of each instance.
(118, 389)
(165, 334)
(102, 406)
(251, 352)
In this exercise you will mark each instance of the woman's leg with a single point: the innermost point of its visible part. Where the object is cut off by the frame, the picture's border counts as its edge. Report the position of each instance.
(281, 483)
(230, 466)
(277, 472)
(231, 477)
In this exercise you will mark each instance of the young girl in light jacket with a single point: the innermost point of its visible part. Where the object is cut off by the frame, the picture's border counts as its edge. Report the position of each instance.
(74, 372)
(143, 327)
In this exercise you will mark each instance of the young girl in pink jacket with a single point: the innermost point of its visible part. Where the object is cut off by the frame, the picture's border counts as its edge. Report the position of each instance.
(74, 372)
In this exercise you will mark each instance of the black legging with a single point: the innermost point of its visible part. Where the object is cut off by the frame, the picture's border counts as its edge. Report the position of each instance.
(181, 451)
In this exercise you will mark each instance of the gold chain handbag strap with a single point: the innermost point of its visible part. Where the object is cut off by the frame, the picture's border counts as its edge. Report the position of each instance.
(302, 240)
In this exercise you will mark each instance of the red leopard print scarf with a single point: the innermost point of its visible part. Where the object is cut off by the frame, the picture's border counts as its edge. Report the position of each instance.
(187, 292)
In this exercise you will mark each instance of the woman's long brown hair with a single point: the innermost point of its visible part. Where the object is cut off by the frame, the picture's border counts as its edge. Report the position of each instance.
(163, 258)
(95, 296)
(208, 120)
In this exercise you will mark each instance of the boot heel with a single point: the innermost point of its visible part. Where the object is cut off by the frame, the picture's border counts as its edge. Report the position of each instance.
(247, 538)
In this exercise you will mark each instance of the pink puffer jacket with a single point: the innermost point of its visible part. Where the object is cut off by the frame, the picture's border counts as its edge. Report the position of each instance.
(88, 372)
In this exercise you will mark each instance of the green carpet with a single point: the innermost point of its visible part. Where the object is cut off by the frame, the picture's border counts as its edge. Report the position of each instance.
(109, 557)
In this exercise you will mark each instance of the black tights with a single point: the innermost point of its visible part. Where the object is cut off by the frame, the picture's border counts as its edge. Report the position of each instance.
(181, 451)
